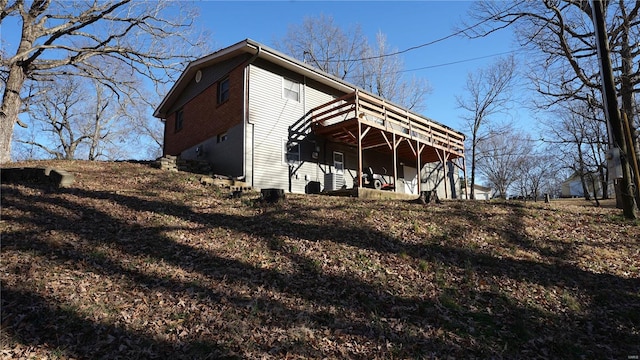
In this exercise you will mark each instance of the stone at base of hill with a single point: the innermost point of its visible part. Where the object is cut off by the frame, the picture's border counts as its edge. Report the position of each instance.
(175, 163)
(49, 176)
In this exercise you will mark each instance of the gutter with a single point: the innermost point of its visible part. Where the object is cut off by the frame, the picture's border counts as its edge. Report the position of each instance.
(246, 120)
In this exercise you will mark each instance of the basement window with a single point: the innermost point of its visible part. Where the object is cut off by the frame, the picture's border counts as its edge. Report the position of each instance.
(290, 89)
(222, 137)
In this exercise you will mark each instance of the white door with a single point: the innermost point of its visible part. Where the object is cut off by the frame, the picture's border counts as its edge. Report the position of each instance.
(338, 162)
(410, 180)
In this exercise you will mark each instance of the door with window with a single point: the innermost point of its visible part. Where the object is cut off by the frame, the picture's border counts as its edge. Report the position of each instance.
(410, 180)
(338, 162)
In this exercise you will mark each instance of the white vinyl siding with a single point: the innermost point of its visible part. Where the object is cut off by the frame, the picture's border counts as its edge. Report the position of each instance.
(270, 115)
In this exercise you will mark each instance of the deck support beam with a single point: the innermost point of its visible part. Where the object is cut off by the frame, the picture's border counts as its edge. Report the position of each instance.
(419, 149)
(395, 162)
(359, 142)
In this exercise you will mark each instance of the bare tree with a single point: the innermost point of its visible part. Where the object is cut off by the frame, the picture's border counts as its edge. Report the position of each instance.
(348, 56)
(532, 172)
(488, 93)
(501, 155)
(59, 38)
(59, 113)
(105, 125)
(381, 74)
(560, 37)
(80, 118)
(320, 42)
(563, 56)
(579, 134)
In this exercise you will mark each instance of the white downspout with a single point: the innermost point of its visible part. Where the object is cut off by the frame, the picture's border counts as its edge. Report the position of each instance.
(246, 121)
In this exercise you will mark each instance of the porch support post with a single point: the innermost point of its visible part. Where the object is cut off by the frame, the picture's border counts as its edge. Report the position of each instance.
(446, 179)
(395, 163)
(418, 153)
(359, 140)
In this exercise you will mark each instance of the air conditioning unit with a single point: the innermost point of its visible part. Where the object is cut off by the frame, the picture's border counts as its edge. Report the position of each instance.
(333, 181)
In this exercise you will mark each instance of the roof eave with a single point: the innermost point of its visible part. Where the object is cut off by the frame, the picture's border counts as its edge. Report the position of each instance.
(195, 65)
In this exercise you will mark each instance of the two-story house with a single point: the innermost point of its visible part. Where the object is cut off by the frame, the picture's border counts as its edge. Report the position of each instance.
(254, 112)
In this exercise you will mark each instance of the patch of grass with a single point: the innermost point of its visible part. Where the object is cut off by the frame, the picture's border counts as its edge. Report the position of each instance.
(99, 255)
(449, 298)
(59, 353)
(423, 265)
(571, 302)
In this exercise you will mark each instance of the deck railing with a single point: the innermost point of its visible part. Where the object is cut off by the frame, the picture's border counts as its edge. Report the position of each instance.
(388, 117)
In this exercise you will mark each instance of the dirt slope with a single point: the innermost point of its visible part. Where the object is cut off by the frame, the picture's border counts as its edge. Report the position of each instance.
(133, 262)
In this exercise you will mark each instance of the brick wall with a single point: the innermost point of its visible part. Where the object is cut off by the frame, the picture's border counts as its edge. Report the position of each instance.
(204, 118)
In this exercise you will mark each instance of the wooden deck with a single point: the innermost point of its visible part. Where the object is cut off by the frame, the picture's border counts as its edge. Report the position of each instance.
(381, 123)
(370, 123)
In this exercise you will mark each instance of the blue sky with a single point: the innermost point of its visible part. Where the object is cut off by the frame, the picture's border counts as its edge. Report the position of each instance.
(405, 23)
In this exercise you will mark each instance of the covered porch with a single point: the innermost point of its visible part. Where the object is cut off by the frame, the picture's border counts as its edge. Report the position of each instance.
(369, 123)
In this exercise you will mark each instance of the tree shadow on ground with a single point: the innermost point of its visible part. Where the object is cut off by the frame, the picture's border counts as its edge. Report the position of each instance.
(487, 323)
(30, 318)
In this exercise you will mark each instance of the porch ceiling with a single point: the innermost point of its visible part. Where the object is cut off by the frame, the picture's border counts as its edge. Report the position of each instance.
(380, 140)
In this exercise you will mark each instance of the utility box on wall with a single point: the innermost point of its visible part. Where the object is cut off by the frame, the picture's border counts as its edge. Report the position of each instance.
(614, 165)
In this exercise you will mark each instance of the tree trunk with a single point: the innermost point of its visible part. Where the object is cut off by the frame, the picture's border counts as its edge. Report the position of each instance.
(585, 188)
(472, 194)
(9, 111)
(11, 101)
(604, 180)
(594, 181)
(611, 106)
(626, 86)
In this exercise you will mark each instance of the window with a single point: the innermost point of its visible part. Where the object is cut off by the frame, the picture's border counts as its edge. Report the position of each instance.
(290, 89)
(223, 90)
(179, 119)
(222, 137)
(338, 162)
(291, 152)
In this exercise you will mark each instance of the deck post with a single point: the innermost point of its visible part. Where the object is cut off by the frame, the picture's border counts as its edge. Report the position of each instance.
(418, 152)
(395, 163)
(357, 113)
(444, 167)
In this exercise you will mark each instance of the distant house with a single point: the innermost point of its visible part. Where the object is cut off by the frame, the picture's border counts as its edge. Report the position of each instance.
(480, 192)
(254, 112)
(572, 186)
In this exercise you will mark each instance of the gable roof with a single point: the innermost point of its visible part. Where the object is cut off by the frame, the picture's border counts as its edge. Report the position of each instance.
(481, 188)
(258, 50)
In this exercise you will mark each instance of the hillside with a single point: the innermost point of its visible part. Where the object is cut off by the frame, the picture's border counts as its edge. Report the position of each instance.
(134, 262)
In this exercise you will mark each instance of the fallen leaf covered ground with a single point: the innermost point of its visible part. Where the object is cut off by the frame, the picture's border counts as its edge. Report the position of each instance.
(132, 262)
